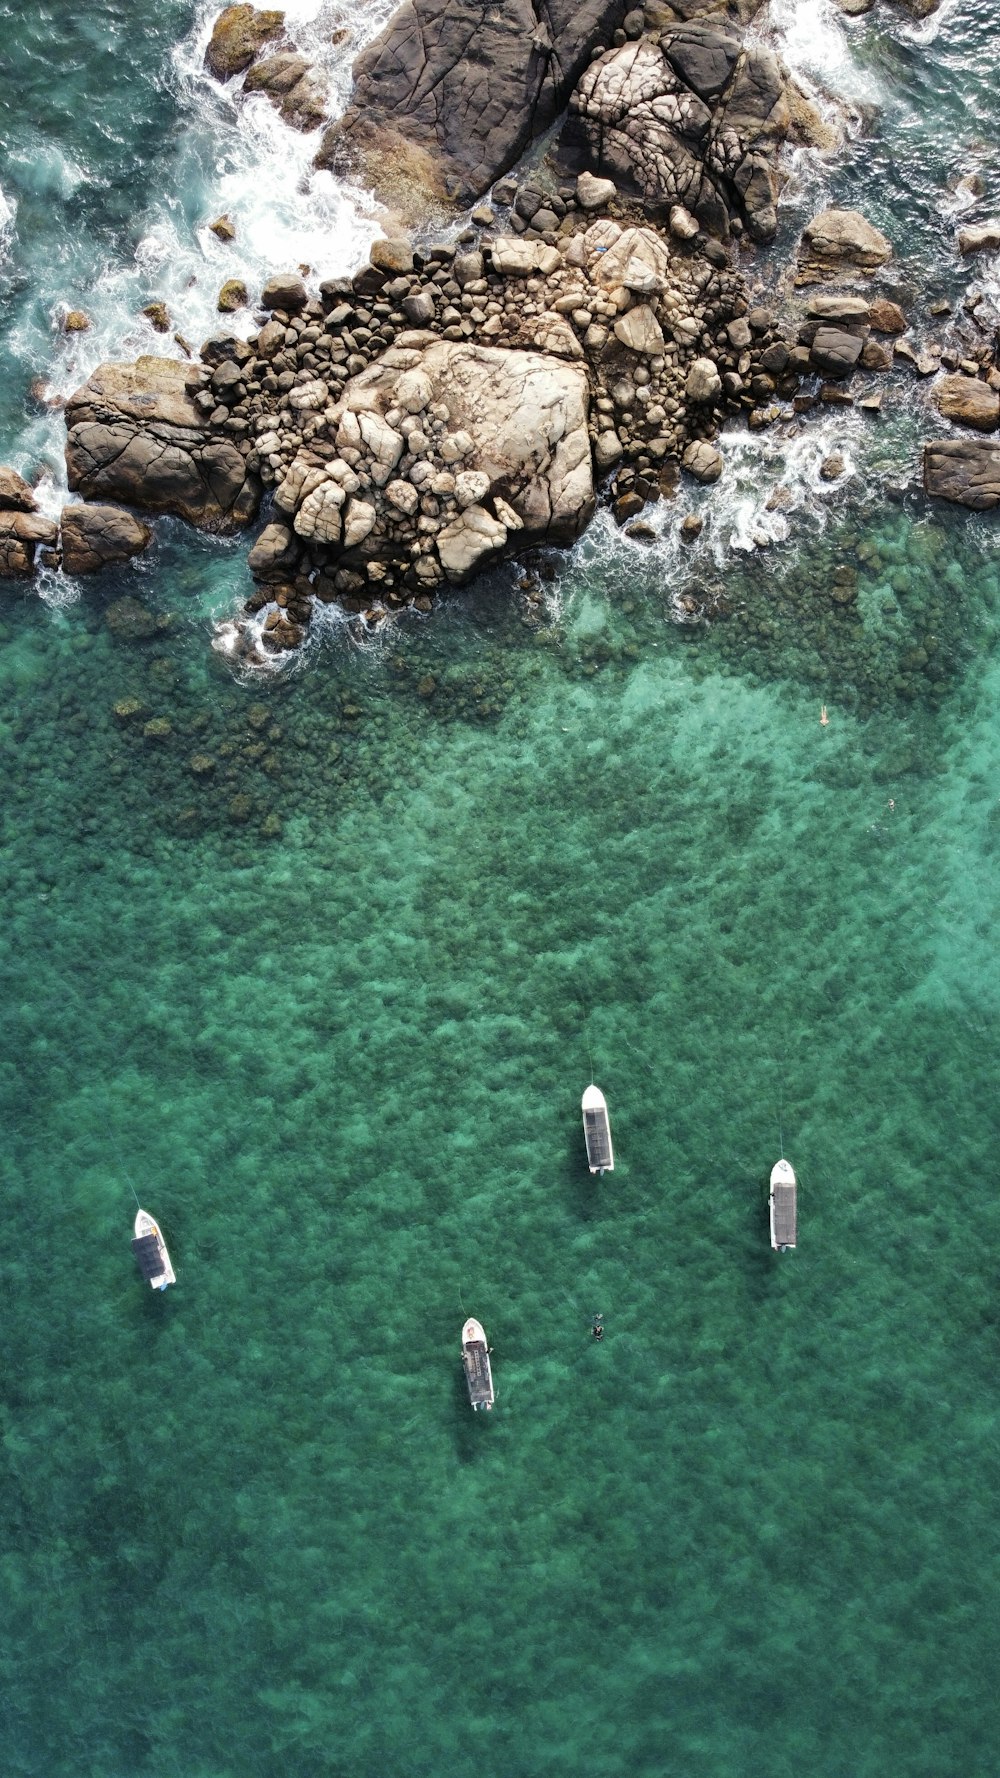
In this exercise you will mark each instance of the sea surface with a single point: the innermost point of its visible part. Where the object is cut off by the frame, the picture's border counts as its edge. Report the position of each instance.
(321, 966)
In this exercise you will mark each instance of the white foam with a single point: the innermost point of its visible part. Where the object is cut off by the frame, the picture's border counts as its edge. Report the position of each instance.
(8, 218)
(811, 38)
(235, 157)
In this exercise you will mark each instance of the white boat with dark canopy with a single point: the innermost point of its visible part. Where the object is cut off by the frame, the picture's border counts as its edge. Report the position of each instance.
(151, 1254)
(782, 1206)
(476, 1359)
(597, 1130)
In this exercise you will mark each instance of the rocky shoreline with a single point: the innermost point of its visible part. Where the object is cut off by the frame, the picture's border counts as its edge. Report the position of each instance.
(586, 337)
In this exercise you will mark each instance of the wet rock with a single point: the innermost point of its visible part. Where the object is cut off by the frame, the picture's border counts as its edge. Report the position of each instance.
(963, 470)
(131, 621)
(294, 86)
(392, 256)
(239, 34)
(832, 468)
(886, 316)
(158, 316)
(75, 321)
(836, 239)
(983, 237)
(223, 228)
(232, 296)
(968, 402)
(94, 537)
(835, 352)
(286, 291)
(703, 461)
(136, 436)
(691, 526)
(275, 555)
(452, 92)
(15, 494)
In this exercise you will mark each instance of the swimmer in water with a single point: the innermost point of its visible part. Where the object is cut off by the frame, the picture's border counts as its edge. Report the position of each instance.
(824, 719)
(598, 1328)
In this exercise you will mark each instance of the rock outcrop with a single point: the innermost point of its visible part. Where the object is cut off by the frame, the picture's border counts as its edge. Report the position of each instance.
(981, 237)
(686, 116)
(467, 82)
(136, 434)
(445, 452)
(95, 537)
(963, 470)
(239, 39)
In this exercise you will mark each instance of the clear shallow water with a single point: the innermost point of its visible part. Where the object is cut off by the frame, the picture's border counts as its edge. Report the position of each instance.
(331, 1005)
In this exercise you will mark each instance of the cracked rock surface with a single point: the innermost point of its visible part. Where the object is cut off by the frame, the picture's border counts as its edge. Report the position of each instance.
(688, 115)
(134, 434)
(470, 81)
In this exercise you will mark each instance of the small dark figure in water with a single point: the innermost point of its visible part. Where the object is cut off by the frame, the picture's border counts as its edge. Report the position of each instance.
(598, 1327)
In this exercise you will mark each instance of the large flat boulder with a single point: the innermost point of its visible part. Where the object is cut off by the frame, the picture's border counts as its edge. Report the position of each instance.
(467, 84)
(135, 435)
(963, 470)
(448, 454)
(968, 402)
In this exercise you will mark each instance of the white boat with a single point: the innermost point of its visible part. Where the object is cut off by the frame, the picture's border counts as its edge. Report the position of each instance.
(597, 1130)
(150, 1251)
(782, 1206)
(476, 1359)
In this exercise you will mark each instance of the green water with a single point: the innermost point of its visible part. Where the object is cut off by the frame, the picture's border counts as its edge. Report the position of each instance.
(252, 1525)
(330, 1001)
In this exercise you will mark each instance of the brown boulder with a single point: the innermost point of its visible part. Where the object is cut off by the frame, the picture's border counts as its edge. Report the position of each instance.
(968, 402)
(285, 291)
(240, 33)
(136, 436)
(465, 85)
(839, 239)
(15, 494)
(963, 470)
(94, 537)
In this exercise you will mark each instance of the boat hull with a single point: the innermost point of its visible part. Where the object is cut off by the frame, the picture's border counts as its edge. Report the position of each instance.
(146, 1227)
(476, 1364)
(597, 1131)
(783, 1207)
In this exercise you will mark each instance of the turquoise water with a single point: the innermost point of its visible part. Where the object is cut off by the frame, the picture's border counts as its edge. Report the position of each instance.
(330, 1004)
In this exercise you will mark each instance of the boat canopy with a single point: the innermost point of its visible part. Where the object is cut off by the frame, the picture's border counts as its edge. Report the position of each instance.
(149, 1257)
(477, 1373)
